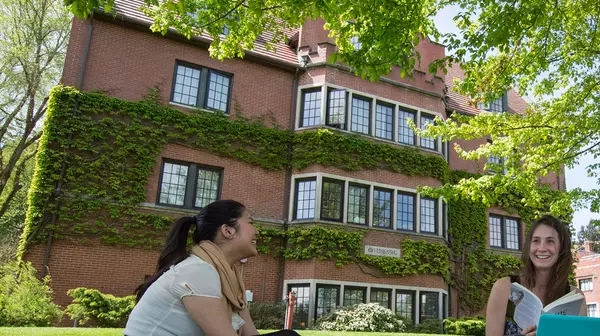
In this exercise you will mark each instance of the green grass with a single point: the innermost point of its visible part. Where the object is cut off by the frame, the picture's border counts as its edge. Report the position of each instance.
(117, 332)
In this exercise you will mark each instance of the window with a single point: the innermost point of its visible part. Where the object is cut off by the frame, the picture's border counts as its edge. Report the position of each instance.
(361, 113)
(188, 185)
(586, 285)
(302, 305)
(495, 163)
(311, 107)
(332, 200)
(445, 220)
(336, 108)
(496, 106)
(592, 310)
(327, 299)
(429, 143)
(504, 232)
(406, 212)
(354, 295)
(405, 305)
(306, 196)
(201, 87)
(358, 204)
(355, 42)
(406, 135)
(381, 296)
(384, 121)
(429, 306)
(382, 208)
(428, 215)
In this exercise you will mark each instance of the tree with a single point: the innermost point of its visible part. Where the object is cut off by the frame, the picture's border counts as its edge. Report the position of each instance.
(33, 39)
(590, 233)
(546, 50)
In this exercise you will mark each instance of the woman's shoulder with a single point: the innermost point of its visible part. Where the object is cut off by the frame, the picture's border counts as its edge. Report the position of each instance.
(194, 261)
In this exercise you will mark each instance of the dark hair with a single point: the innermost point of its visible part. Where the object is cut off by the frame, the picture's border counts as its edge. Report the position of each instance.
(206, 224)
(558, 283)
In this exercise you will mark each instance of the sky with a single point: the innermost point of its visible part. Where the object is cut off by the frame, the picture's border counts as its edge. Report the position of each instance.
(576, 177)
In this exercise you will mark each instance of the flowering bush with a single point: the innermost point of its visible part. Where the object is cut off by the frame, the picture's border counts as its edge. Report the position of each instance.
(362, 317)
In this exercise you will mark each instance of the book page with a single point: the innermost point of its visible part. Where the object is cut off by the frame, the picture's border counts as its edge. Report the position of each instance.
(570, 304)
(528, 308)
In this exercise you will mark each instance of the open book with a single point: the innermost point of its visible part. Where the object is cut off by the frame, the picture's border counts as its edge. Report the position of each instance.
(529, 308)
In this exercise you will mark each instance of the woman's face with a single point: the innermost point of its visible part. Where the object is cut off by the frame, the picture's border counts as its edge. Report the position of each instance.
(245, 237)
(544, 248)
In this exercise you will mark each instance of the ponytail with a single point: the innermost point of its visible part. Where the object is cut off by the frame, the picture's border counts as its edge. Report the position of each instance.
(174, 252)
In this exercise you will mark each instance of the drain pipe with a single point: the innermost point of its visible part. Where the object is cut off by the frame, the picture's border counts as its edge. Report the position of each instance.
(288, 181)
(63, 169)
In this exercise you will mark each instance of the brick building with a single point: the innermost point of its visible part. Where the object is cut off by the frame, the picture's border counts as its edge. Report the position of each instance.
(587, 275)
(121, 57)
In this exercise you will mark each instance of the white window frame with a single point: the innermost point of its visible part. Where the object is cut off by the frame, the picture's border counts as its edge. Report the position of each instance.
(374, 99)
(313, 294)
(372, 185)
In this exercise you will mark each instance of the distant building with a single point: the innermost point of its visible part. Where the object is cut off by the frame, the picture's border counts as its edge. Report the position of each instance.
(587, 274)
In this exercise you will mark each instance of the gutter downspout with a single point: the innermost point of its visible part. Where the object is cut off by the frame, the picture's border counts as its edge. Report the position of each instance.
(63, 169)
(288, 180)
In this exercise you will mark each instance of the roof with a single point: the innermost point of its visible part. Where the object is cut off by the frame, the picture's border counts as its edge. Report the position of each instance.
(130, 10)
(462, 104)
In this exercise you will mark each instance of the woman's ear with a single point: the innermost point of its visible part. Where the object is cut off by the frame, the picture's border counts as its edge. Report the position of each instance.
(227, 231)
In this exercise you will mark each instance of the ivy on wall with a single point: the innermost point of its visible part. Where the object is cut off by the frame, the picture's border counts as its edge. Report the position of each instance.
(109, 147)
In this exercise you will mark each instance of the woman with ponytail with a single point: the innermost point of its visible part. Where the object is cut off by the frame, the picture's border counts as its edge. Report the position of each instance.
(200, 292)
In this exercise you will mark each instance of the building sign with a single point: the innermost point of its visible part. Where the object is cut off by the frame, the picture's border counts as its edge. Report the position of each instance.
(382, 251)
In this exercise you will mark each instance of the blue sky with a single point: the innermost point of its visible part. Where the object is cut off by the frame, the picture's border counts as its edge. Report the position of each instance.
(576, 177)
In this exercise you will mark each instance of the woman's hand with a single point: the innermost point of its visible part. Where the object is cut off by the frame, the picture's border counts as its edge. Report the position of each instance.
(530, 331)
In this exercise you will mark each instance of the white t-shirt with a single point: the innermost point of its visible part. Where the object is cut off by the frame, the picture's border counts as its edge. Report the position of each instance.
(161, 312)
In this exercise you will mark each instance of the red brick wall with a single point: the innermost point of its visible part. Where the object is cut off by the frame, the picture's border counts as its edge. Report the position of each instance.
(261, 191)
(125, 63)
(588, 266)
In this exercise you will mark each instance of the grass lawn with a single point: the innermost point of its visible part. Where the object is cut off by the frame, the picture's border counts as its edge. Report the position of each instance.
(117, 332)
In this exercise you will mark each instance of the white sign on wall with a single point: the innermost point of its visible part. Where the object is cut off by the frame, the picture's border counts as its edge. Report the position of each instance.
(382, 251)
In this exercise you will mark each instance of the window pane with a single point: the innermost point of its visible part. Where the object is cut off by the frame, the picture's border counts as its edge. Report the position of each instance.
(186, 85)
(354, 40)
(512, 234)
(207, 187)
(218, 92)
(592, 310)
(361, 113)
(406, 135)
(354, 295)
(336, 108)
(327, 299)
(358, 204)
(496, 106)
(382, 208)
(331, 202)
(404, 305)
(586, 285)
(311, 108)
(302, 305)
(172, 189)
(428, 215)
(406, 212)
(381, 296)
(384, 121)
(495, 231)
(429, 306)
(430, 143)
(306, 195)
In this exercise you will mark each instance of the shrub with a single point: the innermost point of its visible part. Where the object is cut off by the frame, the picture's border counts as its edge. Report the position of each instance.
(103, 310)
(472, 326)
(429, 326)
(362, 317)
(26, 301)
(267, 315)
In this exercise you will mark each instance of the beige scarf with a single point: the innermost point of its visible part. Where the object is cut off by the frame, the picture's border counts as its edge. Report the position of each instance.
(232, 286)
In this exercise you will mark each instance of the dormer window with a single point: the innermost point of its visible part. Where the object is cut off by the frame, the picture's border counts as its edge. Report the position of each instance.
(496, 106)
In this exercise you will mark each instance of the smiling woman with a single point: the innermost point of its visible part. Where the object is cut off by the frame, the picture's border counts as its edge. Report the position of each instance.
(201, 293)
(547, 260)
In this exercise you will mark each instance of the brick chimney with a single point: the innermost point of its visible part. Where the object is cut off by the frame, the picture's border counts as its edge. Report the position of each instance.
(587, 246)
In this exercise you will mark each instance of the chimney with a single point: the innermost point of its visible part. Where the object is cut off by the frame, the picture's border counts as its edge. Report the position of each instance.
(587, 246)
